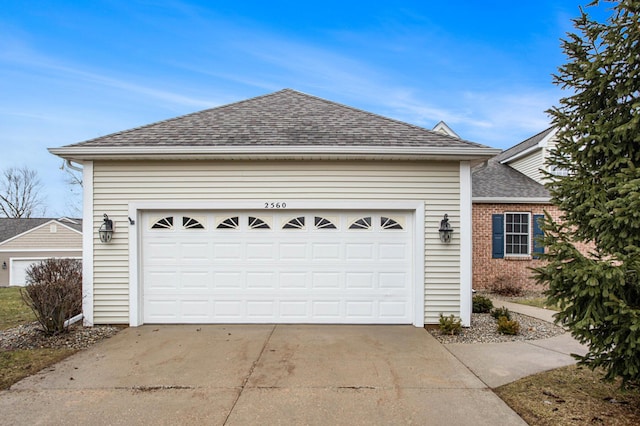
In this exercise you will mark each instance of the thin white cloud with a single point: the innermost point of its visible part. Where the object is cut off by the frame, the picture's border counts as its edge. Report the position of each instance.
(25, 57)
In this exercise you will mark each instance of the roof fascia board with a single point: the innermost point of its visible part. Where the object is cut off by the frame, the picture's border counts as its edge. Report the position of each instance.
(521, 154)
(38, 227)
(540, 145)
(514, 200)
(271, 152)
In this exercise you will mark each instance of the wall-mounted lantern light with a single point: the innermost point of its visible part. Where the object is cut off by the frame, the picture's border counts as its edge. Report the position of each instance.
(445, 230)
(4, 265)
(106, 229)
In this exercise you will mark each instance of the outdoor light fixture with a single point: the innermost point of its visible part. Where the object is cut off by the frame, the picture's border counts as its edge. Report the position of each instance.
(4, 265)
(106, 229)
(445, 230)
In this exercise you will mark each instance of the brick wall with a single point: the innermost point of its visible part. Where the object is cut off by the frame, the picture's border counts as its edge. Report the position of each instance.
(487, 270)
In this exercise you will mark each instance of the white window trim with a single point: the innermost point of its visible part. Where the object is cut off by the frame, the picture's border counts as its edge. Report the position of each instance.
(529, 236)
(136, 210)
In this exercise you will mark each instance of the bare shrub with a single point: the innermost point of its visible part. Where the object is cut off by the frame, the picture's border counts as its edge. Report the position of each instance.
(54, 293)
(503, 286)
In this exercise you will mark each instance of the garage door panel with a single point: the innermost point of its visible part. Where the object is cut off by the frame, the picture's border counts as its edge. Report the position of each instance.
(364, 251)
(228, 310)
(294, 310)
(326, 251)
(325, 310)
(324, 280)
(292, 251)
(360, 280)
(315, 271)
(261, 309)
(195, 253)
(227, 251)
(396, 280)
(293, 280)
(161, 253)
(261, 280)
(162, 280)
(196, 310)
(227, 280)
(260, 251)
(360, 309)
(389, 252)
(196, 280)
(391, 310)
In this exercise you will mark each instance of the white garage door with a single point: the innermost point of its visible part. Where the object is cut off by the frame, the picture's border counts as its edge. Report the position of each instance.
(19, 271)
(277, 267)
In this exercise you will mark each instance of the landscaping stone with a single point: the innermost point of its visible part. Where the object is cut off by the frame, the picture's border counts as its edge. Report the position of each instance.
(31, 336)
(484, 329)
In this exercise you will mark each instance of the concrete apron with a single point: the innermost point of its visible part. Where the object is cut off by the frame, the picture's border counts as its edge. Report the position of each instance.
(258, 374)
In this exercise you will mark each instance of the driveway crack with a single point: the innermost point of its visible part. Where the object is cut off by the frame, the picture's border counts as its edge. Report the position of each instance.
(246, 379)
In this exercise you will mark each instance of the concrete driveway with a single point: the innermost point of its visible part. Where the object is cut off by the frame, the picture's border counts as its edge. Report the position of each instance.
(258, 374)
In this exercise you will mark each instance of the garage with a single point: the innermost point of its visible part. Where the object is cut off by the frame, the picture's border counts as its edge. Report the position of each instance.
(282, 208)
(277, 266)
(19, 271)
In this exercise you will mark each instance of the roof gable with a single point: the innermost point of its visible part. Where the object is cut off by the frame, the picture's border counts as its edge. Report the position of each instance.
(12, 228)
(279, 120)
(525, 146)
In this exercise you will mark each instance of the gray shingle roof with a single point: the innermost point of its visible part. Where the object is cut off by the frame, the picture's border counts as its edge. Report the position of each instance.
(494, 180)
(10, 227)
(283, 118)
(524, 145)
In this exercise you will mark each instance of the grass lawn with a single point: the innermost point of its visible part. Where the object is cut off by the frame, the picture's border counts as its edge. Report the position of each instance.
(538, 302)
(18, 364)
(13, 310)
(571, 396)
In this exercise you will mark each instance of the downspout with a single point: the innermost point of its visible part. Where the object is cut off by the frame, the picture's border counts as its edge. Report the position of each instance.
(68, 164)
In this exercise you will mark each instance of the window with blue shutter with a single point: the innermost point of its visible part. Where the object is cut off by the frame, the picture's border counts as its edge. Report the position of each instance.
(497, 225)
(538, 247)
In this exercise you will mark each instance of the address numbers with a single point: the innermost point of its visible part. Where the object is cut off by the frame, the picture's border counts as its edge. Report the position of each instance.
(275, 205)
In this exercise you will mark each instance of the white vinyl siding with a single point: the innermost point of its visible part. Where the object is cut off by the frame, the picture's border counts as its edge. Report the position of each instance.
(116, 184)
(531, 165)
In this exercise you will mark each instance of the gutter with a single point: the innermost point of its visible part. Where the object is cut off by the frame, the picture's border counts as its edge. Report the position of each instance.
(514, 200)
(74, 153)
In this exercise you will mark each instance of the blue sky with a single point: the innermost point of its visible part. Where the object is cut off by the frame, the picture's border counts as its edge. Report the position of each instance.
(71, 70)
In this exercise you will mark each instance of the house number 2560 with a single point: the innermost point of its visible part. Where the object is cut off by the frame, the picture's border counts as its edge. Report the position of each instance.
(275, 205)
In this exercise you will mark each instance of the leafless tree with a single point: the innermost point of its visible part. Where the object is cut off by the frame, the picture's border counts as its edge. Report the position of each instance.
(20, 192)
(74, 180)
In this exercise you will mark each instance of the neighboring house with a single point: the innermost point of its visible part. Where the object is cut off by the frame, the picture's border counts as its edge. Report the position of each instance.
(508, 199)
(285, 208)
(24, 242)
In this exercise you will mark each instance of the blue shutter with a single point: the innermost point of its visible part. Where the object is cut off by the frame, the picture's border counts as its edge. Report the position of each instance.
(497, 224)
(538, 247)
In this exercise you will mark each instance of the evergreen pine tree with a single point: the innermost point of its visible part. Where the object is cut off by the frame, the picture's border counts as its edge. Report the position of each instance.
(599, 147)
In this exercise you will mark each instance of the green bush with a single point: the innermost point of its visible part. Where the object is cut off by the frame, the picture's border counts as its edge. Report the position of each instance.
(501, 312)
(507, 326)
(482, 305)
(54, 293)
(450, 325)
